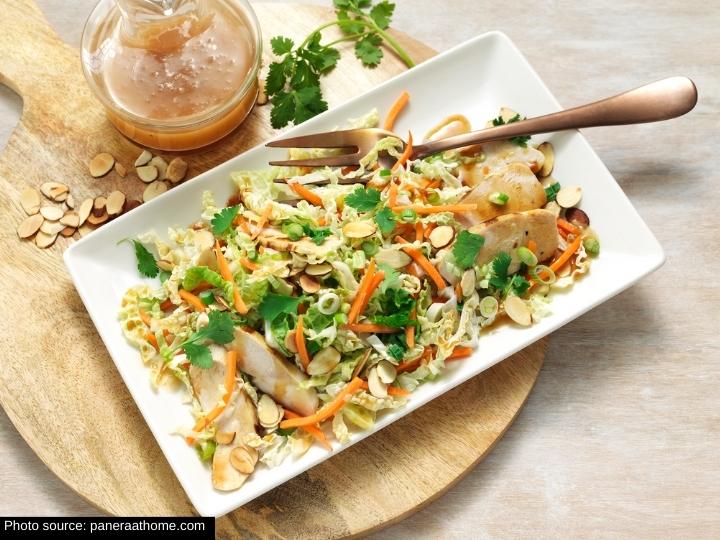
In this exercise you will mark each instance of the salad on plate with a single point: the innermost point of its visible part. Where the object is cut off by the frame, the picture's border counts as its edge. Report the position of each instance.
(296, 312)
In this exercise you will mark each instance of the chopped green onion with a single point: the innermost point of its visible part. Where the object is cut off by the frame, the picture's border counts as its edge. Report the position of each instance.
(207, 297)
(370, 248)
(206, 450)
(294, 231)
(385, 172)
(433, 197)
(164, 275)
(408, 215)
(340, 318)
(537, 273)
(551, 191)
(345, 307)
(592, 246)
(526, 256)
(488, 307)
(252, 255)
(498, 198)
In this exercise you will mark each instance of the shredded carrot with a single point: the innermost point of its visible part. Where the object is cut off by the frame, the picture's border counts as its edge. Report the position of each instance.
(305, 193)
(410, 332)
(398, 106)
(425, 264)
(407, 153)
(371, 328)
(322, 221)
(532, 246)
(364, 283)
(458, 291)
(191, 299)
(327, 410)
(392, 194)
(411, 365)
(564, 257)
(230, 371)
(300, 343)
(202, 287)
(460, 352)
(315, 431)
(153, 340)
(567, 226)
(247, 263)
(434, 184)
(144, 317)
(226, 274)
(423, 210)
(419, 233)
(430, 227)
(263, 220)
(391, 390)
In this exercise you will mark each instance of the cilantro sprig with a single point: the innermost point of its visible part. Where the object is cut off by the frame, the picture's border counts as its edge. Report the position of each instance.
(502, 281)
(222, 220)
(466, 248)
(520, 140)
(220, 329)
(363, 200)
(146, 263)
(293, 81)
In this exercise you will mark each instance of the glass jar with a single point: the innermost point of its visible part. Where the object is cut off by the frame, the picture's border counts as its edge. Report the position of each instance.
(173, 74)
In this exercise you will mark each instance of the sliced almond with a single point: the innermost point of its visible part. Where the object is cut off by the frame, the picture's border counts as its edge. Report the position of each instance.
(243, 458)
(165, 265)
(324, 361)
(386, 371)
(569, 196)
(99, 205)
(308, 284)
(518, 310)
(85, 229)
(30, 200)
(361, 364)
(318, 269)
(467, 283)
(130, 204)
(68, 231)
(43, 240)
(85, 208)
(153, 190)
(115, 203)
(147, 173)
(359, 229)
(224, 437)
(549, 152)
(394, 258)
(375, 385)
(51, 228)
(161, 165)
(94, 219)
(290, 341)
(70, 219)
(51, 213)
(441, 236)
(101, 164)
(143, 159)
(268, 412)
(262, 98)
(54, 191)
(120, 169)
(70, 202)
(176, 170)
(203, 240)
(30, 226)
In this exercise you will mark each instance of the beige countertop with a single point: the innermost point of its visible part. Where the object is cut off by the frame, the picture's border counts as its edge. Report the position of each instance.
(621, 436)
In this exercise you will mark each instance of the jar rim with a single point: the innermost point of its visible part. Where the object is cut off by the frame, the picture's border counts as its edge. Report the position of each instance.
(106, 9)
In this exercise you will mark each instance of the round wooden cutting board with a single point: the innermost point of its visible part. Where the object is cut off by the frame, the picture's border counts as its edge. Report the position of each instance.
(60, 388)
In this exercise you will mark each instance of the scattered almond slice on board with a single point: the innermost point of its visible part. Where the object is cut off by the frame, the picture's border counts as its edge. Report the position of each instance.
(70, 219)
(30, 200)
(51, 213)
(43, 240)
(115, 203)
(51, 228)
(147, 173)
(176, 170)
(120, 169)
(85, 208)
(55, 191)
(153, 190)
(143, 159)
(101, 164)
(30, 226)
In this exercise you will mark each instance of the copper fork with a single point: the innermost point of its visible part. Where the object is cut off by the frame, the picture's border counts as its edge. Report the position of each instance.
(660, 100)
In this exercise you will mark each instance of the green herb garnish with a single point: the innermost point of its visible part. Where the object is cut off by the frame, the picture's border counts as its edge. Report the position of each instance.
(466, 248)
(552, 191)
(223, 219)
(273, 305)
(220, 329)
(146, 263)
(520, 140)
(385, 220)
(363, 200)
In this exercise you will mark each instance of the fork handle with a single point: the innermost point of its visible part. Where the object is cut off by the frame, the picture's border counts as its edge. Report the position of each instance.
(660, 100)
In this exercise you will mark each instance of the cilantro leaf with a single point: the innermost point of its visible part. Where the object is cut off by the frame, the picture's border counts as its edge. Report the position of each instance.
(222, 220)
(392, 277)
(308, 103)
(381, 13)
(385, 220)
(519, 285)
(220, 329)
(396, 306)
(466, 248)
(363, 200)
(317, 235)
(368, 50)
(146, 263)
(347, 24)
(552, 191)
(199, 355)
(281, 45)
(520, 140)
(500, 265)
(275, 304)
(275, 80)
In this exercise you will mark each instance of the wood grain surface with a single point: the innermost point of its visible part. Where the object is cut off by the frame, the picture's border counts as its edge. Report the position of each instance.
(58, 385)
(621, 435)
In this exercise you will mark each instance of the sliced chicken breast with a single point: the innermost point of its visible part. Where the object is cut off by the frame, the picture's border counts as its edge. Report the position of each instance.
(517, 181)
(273, 374)
(508, 232)
(234, 462)
(498, 155)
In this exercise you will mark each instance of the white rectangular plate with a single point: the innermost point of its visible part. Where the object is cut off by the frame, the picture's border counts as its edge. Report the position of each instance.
(474, 79)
